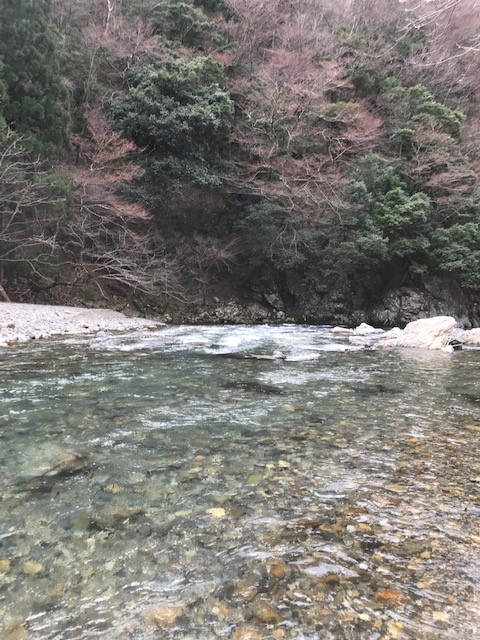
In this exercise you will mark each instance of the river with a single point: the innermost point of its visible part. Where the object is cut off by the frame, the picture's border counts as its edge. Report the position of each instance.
(153, 485)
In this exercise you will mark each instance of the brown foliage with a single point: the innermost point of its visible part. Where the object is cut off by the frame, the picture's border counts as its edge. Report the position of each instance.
(259, 26)
(450, 60)
(103, 155)
(110, 240)
(107, 249)
(131, 41)
(296, 138)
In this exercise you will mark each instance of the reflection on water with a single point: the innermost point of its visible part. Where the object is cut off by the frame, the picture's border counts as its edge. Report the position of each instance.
(153, 489)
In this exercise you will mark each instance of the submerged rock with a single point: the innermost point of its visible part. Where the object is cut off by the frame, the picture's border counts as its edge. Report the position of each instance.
(246, 633)
(162, 617)
(116, 520)
(391, 597)
(67, 465)
(342, 331)
(468, 395)
(265, 613)
(5, 565)
(329, 573)
(255, 387)
(375, 389)
(276, 356)
(15, 630)
(32, 568)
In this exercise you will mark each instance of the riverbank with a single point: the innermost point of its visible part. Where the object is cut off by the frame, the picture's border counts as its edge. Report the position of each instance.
(21, 322)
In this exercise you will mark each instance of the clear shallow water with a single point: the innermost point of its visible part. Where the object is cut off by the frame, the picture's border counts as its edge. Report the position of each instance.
(153, 488)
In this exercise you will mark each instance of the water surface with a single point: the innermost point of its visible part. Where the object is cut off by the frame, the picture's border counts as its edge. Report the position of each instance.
(152, 487)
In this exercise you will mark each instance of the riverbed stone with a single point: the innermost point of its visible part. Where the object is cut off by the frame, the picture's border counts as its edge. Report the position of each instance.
(328, 573)
(245, 591)
(24, 322)
(5, 565)
(246, 633)
(113, 488)
(15, 630)
(264, 612)
(280, 570)
(391, 597)
(32, 568)
(162, 617)
(129, 512)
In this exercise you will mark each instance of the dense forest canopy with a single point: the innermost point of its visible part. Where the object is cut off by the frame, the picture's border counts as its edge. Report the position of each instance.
(173, 151)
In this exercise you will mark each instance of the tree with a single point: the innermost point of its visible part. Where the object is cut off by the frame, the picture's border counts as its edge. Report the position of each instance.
(456, 252)
(109, 241)
(32, 211)
(180, 115)
(182, 22)
(31, 74)
(179, 106)
(385, 227)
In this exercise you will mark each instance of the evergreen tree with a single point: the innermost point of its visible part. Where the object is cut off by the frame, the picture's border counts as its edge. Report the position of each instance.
(31, 76)
(180, 115)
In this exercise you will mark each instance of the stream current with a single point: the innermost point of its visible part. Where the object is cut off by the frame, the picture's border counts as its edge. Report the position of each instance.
(152, 486)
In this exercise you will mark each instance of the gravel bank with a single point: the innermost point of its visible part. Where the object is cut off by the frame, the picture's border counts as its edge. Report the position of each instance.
(24, 322)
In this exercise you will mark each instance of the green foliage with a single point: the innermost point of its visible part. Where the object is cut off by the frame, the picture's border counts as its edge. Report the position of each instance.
(31, 76)
(456, 250)
(183, 22)
(412, 41)
(425, 108)
(363, 251)
(386, 224)
(179, 107)
(392, 228)
(180, 115)
(361, 51)
(365, 80)
(332, 114)
(403, 138)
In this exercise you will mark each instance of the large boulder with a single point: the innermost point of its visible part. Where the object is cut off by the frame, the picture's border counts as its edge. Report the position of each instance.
(427, 333)
(470, 338)
(365, 329)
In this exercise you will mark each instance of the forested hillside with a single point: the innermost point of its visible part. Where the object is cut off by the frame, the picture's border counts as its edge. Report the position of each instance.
(316, 159)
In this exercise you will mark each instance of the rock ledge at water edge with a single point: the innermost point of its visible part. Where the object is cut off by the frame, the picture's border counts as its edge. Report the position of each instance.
(24, 322)
(440, 332)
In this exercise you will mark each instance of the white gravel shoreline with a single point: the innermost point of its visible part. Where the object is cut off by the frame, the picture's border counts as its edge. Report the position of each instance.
(24, 322)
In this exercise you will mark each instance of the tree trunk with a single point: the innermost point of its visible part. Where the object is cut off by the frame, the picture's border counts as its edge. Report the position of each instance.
(3, 294)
